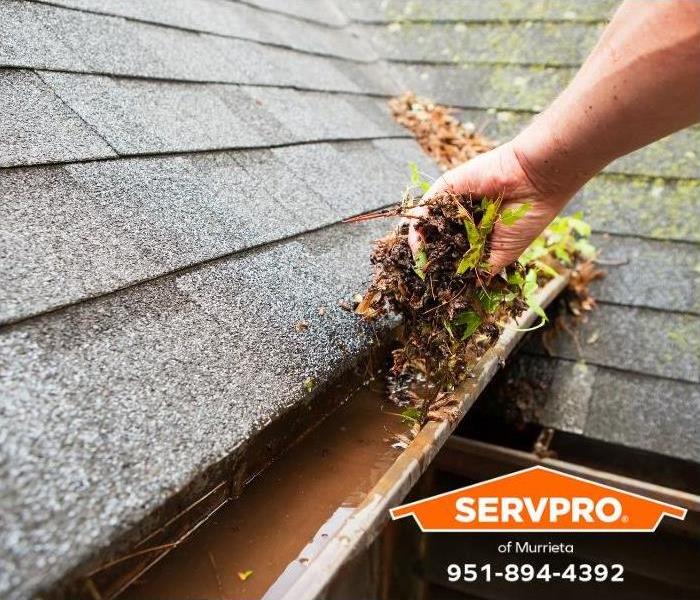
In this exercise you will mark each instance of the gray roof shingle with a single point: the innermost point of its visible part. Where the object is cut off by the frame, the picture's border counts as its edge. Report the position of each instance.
(638, 340)
(635, 410)
(322, 11)
(235, 19)
(28, 41)
(124, 221)
(636, 268)
(38, 127)
(211, 354)
(139, 117)
(50, 37)
(530, 42)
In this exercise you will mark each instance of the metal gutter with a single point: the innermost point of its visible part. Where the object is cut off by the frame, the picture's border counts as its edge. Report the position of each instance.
(363, 523)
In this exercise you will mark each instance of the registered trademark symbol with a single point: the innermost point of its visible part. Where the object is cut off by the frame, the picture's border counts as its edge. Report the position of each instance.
(625, 518)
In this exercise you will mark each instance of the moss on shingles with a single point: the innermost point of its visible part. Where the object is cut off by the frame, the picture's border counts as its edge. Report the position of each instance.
(523, 88)
(674, 156)
(570, 10)
(649, 206)
(523, 42)
(509, 87)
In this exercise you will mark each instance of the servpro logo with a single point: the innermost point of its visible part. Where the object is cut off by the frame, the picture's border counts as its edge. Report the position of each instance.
(538, 499)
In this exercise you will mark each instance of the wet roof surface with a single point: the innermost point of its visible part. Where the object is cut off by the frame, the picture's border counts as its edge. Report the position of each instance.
(173, 176)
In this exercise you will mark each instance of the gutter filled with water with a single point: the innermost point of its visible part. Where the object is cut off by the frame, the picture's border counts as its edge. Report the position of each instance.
(321, 503)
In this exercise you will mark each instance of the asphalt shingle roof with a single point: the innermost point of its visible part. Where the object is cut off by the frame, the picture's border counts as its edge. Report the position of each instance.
(207, 151)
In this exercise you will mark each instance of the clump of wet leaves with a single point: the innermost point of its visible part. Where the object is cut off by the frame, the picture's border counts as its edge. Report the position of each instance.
(440, 134)
(453, 309)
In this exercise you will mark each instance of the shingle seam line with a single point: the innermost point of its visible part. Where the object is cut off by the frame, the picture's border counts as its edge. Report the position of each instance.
(201, 32)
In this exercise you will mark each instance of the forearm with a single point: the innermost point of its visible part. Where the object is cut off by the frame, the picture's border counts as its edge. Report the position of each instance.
(640, 83)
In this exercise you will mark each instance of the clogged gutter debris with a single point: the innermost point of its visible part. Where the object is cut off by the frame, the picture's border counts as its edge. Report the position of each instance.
(440, 134)
(453, 309)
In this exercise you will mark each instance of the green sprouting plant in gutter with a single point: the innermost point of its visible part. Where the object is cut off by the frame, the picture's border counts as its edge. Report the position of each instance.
(420, 260)
(468, 321)
(478, 234)
(563, 239)
(453, 307)
(417, 180)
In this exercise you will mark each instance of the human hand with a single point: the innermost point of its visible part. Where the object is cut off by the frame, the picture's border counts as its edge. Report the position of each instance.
(503, 172)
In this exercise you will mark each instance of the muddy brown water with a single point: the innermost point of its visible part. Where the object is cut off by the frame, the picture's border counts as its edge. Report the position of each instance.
(285, 515)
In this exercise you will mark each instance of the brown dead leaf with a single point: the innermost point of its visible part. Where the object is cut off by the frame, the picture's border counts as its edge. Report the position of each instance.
(437, 130)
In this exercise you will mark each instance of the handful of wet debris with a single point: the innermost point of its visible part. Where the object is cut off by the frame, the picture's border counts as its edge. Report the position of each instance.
(453, 309)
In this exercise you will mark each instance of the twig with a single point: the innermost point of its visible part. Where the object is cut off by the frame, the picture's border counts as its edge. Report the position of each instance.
(611, 263)
(121, 559)
(375, 214)
(92, 588)
(457, 295)
(219, 585)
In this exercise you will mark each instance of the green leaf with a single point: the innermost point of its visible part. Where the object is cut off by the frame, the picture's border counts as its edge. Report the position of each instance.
(585, 248)
(416, 178)
(469, 320)
(562, 254)
(510, 216)
(449, 328)
(470, 259)
(545, 268)
(490, 301)
(529, 294)
(412, 414)
(530, 285)
(577, 223)
(535, 306)
(472, 233)
(489, 218)
(421, 260)
(515, 278)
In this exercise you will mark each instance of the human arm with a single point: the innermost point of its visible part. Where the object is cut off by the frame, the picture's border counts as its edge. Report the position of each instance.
(640, 83)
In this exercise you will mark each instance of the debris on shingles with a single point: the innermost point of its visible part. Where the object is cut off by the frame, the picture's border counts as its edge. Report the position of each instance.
(580, 299)
(576, 303)
(309, 384)
(345, 305)
(453, 309)
(542, 446)
(440, 134)
(301, 326)
(321, 311)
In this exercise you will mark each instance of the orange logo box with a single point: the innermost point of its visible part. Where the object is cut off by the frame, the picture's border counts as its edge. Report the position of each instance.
(538, 499)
